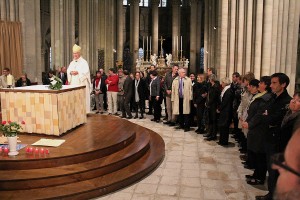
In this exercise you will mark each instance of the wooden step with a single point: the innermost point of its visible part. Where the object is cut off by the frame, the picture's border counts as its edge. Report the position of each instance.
(45, 177)
(100, 185)
(86, 178)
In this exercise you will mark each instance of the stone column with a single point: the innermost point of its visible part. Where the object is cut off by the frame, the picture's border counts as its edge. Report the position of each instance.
(3, 10)
(120, 29)
(258, 38)
(274, 36)
(248, 35)
(279, 35)
(267, 38)
(29, 12)
(199, 34)
(12, 10)
(240, 38)
(62, 13)
(136, 29)
(155, 4)
(285, 22)
(193, 35)
(206, 35)
(232, 37)
(224, 40)
(175, 28)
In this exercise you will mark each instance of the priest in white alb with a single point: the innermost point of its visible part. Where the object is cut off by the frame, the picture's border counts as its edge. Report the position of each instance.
(79, 74)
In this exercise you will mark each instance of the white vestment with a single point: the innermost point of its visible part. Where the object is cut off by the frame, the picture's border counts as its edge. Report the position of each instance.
(82, 78)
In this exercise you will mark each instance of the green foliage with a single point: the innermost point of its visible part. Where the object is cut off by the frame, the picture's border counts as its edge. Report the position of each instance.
(10, 129)
(55, 83)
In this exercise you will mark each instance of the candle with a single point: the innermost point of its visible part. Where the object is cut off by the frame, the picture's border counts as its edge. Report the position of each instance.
(174, 44)
(147, 43)
(9, 79)
(181, 43)
(143, 43)
(42, 151)
(0, 149)
(36, 150)
(177, 43)
(47, 151)
(150, 43)
(5, 150)
(30, 150)
(27, 150)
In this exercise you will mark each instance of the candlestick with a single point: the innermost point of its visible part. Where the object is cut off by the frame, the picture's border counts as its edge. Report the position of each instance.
(177, 44)
(150, 45)
(181, 43)
(147, 43)
(143, 43)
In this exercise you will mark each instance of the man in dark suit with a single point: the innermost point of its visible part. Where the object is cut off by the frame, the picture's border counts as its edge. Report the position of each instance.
(63, 75)
(139, 94)
(148, 80)
(155, 96)
(127, 89)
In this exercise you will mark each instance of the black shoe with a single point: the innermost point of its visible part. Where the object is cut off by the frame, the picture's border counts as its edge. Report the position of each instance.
(265, 197)
(123, 116)
(165, 118)
(109, 114)
(222, 143)
(187, 129)
(149, 113)
(211, 138)
(153, 120)
(116, 114)
(207, 135)
(248, 176)
(130, 117)
(254, 181)
(135, 117)
(197, 130)
(248, 167)
(157, 121)
(178, 127)
(142, 117)
(172, 124)
(167, 122)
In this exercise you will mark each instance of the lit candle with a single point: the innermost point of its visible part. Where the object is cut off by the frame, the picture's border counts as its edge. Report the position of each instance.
(181, 43)
(147, 43)
(0, 149)
(27, 150)
(36, 150)
(42, 151)
(150, 43)
(30, 150)
(5, 150)
(47, 151)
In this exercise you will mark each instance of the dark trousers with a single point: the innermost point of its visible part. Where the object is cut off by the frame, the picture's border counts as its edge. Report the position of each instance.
(235, 122)
(212, 122)
(200, 116)
(193, 113)
(105, 105)
(156, 107)
(125, 106)
(150, 106)
(139, 105)
(270, 150)
(260, 166)
(224, 134)
(183, 119)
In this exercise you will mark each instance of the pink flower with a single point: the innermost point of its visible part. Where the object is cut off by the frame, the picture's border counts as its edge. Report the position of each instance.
(23, 122)
(3, 122)
(9, 121)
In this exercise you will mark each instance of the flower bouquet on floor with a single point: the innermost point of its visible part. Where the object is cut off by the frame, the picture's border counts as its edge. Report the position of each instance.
(10, 130)
(55, 83)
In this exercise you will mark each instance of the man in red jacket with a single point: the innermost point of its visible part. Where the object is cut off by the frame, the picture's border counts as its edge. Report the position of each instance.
(112, 91)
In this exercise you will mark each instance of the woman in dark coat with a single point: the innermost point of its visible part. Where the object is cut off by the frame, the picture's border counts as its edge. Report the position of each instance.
(199, 97)
(289, 121)
(257, 129)
(225, 110)
(212, 102)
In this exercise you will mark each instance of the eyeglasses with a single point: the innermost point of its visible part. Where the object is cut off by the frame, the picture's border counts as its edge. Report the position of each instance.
(279, 160)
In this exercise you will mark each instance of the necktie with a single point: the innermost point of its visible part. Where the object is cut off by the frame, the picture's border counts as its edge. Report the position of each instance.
(180, 88)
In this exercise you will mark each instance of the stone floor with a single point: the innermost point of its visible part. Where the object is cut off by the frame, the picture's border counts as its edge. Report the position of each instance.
(193, 169)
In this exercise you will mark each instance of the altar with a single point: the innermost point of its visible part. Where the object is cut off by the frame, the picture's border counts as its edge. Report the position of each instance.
(45, 111)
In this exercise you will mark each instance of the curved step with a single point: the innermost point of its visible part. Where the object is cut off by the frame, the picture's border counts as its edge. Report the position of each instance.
(45, 177)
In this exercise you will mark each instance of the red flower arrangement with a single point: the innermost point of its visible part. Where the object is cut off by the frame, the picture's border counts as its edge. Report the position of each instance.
(11, 129)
